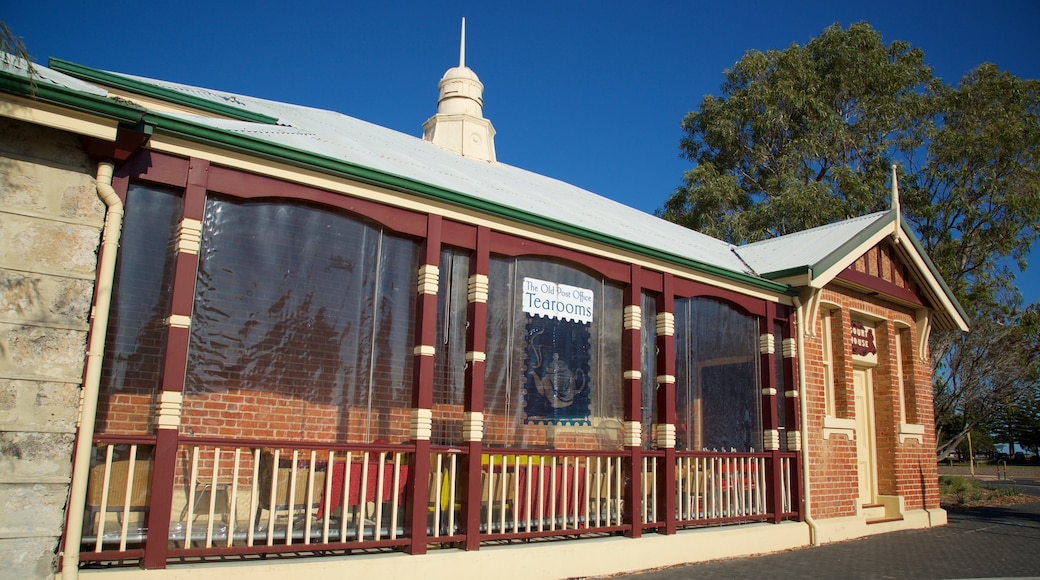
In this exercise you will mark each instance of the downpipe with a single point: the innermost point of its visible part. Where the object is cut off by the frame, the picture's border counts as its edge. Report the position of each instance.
(803, 425)
(92, 375)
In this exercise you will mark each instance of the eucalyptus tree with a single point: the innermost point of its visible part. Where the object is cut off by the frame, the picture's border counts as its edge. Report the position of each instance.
(807, 135)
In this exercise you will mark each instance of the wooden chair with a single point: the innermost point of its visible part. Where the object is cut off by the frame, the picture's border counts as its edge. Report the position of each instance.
(280, 478)
(117, 500)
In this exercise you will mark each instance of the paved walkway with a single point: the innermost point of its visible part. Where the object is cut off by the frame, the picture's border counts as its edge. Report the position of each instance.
(980, 543)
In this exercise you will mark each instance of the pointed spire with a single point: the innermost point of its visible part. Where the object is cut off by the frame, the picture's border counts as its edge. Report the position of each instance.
(895, 202)
(459, 124)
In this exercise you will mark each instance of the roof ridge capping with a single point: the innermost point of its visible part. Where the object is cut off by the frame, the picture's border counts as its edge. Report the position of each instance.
(144, 88)
(811, 231)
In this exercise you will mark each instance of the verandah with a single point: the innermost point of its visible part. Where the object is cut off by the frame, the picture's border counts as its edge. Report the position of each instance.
(280, 385)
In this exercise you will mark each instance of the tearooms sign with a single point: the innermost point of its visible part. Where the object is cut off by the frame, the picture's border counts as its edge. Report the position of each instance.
(552, 300)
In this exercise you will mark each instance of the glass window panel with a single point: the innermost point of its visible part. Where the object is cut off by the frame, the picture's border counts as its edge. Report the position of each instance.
(449, 383)
(135, 345)
(303, 326)
(648, 335)
(718, 401)
(552, 382)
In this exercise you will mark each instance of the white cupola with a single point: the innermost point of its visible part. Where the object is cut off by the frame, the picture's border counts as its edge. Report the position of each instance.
(459, 124)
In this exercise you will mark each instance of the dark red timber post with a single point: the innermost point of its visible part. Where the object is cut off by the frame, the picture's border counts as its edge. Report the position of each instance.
(473, 417)
(770, 421)
(666, 401)
(792, 403)
(631, 355)
(170, 401)
(428, 282)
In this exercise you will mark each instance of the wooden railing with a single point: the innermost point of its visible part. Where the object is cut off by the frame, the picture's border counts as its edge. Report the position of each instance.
(251, 497)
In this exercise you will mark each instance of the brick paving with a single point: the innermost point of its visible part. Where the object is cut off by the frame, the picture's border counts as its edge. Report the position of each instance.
(978, 543)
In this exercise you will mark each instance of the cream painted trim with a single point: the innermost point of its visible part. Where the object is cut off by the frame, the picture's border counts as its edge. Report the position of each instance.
(57, 117)
(472, 426)
(185, 148)
(635, 375)
(178, 321)
(665, 379)
(768, 391)
(428, 279)
(476, 356)
(665, 436)
(633, 436)
(791, 394)
(864, 316)
(665, 324)
(189, 236)
(839, 426)
(583, 558)
(851, 527)
(794, 440)
(924, 331)
(790, 347)
(168, 410)
(909, 431)
(633, 317)
(766, 344)
(825, 277)
(424, 350)
(478, 289)
(771, 439)
(422, 424)
(810, 297)
(798, 281)
(935, 287)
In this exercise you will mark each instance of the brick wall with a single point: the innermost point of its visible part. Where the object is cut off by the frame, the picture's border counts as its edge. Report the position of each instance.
(906, 468)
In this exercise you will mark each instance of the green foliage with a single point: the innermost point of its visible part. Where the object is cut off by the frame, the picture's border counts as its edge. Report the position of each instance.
(11, 44)
(806, 136)
(985, 377)
(13, 50)
(800, 137)
(964, 491)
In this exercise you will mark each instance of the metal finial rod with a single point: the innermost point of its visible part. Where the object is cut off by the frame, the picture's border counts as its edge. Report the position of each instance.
(895, 201)
(462, 45)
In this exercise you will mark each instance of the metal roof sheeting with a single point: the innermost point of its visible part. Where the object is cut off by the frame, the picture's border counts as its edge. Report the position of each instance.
(807, 248)
(348, 139)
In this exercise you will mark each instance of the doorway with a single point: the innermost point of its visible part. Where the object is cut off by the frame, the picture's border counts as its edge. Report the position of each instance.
(866, 460)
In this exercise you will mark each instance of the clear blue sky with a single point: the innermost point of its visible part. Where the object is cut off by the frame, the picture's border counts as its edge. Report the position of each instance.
(591, 93)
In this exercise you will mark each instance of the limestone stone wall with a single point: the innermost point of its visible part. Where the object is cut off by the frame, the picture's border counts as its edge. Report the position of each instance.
(50, 228)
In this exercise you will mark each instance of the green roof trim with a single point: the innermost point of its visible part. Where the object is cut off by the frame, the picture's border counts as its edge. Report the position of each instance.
(842, 251)
(796, 271)
(149, 90)
(69, 98)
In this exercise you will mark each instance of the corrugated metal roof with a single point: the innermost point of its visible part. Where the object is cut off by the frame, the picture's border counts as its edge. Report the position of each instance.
(355, 141)
(41, 74)
(807, 248)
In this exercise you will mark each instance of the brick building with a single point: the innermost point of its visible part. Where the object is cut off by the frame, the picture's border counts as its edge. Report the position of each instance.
(295, 334)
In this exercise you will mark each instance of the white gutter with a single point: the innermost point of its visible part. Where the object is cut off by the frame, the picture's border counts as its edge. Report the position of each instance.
(92, 377)
(803, 423)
